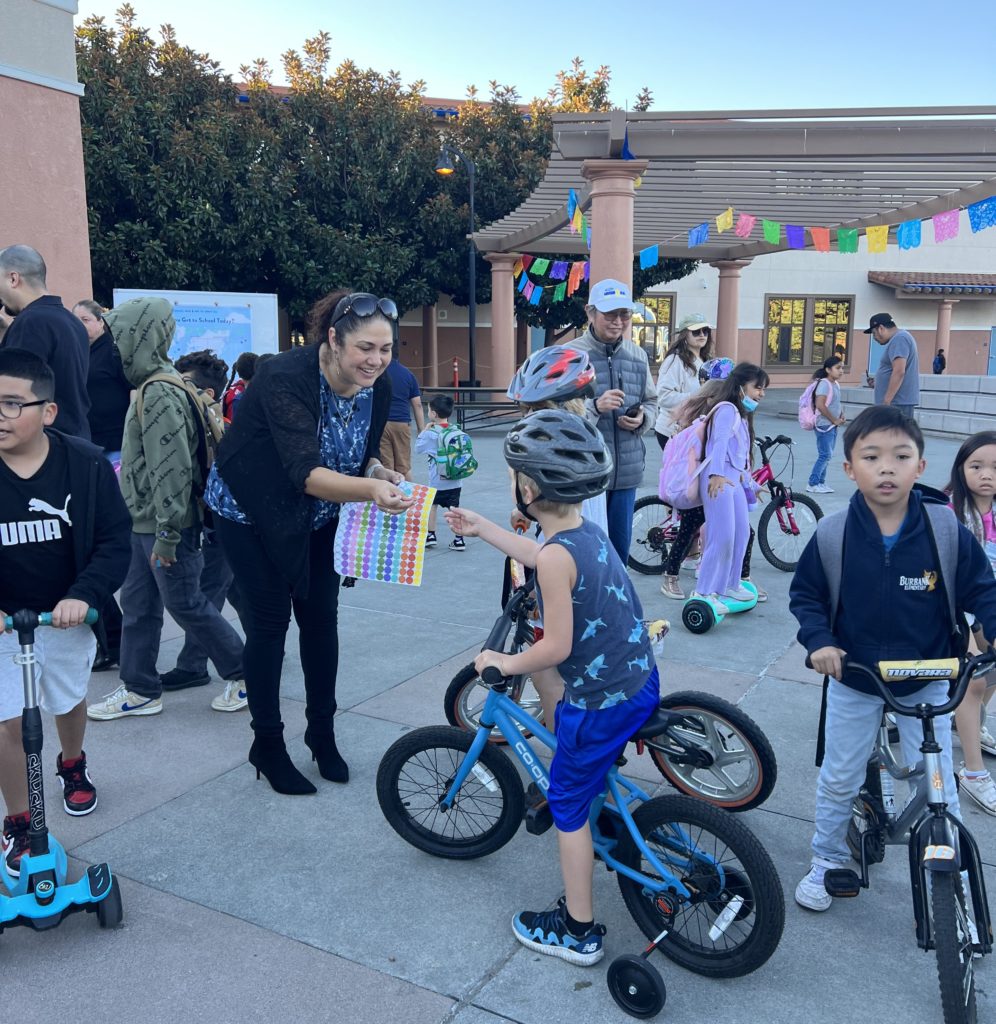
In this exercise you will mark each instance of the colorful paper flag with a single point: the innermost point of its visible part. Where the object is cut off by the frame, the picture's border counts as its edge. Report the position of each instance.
(945, 225)
(526, 261)
(982, 215)
(908, 234)
(517, 268)
(559, 292)
(795, 235)
(372, 545)
(821, 239)
(587, 270)
(534, 299)
(574, 278)
(772, 231)
(627, 153)
(745, 225)
(572, 203)
(523, 283)
(559, 270)
(698, 234)
(878, 237)
(577, 221)
(528, 290)
(649, 257)
(724, 222)
(847, 239)
(587, 234)
(638, 181)
(540, 266)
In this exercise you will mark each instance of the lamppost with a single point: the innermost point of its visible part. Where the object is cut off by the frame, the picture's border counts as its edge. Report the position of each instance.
(444, 167)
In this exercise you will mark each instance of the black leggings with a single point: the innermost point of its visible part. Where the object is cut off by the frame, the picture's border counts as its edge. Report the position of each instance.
(266, 603)
(691, 522)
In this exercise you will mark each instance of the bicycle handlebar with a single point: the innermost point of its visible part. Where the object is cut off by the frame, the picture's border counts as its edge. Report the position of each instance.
(45, 618)
(491, 676)
(969, 667)
(764, 443)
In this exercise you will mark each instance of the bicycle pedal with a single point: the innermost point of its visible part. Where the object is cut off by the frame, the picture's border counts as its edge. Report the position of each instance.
(539, 819)
(842, 883)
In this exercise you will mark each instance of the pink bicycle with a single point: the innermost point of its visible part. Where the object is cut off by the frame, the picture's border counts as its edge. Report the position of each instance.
(784, 529)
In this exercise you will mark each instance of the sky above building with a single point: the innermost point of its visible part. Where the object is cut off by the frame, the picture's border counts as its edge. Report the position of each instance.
(724, 54)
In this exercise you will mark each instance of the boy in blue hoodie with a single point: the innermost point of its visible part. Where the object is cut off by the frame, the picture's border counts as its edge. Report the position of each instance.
(887, 610)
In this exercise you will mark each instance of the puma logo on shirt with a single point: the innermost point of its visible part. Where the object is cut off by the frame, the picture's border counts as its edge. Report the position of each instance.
(37, 505)
(36, 531)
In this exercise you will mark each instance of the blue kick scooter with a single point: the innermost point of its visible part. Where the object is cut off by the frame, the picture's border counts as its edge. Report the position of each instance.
(699, 614)
(41, 897)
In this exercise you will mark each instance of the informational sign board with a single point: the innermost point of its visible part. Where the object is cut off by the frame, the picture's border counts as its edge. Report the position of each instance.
(228, 323)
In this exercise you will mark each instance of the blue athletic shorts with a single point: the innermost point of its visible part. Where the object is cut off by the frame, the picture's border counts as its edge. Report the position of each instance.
(588, 743)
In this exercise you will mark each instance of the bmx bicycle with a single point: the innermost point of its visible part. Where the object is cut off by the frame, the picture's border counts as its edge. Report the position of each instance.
(784, 529)
(694, 878)
(712, 750)
(942, 851)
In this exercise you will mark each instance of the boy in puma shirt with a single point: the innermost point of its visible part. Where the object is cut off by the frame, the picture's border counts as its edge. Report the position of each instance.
(58, 554)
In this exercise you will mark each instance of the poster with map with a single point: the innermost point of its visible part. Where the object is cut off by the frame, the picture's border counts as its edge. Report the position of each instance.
(226, 330)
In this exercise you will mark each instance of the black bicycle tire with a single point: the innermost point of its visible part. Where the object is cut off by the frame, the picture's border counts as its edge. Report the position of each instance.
(945, 892)
(394, 806)
(641, 567)
(766, 888)
(762, 529)
(451, 703)
(742, 723)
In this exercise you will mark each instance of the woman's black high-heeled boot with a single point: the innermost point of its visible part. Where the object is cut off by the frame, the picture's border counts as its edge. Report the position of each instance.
(331, 766)
(268, 755)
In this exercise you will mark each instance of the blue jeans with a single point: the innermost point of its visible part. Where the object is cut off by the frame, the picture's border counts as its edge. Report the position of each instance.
(619, 516)
(826, 441)
(178, 588)
(216, 579)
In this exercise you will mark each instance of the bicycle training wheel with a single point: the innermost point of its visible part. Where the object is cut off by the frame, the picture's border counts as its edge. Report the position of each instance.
(743, 770)
(466, 694)
(416, 773)
(718, 859)
(953, 944)
(652, 526)
(780, 545)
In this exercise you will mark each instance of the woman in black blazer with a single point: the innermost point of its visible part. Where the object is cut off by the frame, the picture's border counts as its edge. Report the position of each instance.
(304, 441)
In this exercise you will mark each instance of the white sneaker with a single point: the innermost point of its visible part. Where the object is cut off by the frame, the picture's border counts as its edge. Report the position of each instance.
(738, 594)
(715, 600)
(692, 564)
(811, 893)
(819, 489)
(234, 697)
(981, 790)
(122, 703)
(988, 741)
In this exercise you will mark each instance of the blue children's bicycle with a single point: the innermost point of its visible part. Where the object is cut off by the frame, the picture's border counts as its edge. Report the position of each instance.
(695, 879)
(41, 897)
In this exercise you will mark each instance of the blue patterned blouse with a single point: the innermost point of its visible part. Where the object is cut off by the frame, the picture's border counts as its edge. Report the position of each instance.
(342, 439)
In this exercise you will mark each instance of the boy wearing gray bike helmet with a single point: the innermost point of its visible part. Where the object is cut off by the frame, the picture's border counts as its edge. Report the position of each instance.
(594, 636)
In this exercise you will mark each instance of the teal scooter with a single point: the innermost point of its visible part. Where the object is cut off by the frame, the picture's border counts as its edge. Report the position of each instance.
(699, 614)
(41, 897)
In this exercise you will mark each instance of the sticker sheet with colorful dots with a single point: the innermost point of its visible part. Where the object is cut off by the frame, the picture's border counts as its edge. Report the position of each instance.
(372, 545)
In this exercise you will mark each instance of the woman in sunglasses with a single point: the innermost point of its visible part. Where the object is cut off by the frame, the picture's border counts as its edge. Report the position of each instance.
(678, 377)
(303, 443)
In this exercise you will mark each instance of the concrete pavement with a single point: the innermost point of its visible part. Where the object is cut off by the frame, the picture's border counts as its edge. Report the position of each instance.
(242, 905)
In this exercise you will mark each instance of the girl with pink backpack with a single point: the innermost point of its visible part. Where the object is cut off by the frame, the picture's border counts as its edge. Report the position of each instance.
(827, 417)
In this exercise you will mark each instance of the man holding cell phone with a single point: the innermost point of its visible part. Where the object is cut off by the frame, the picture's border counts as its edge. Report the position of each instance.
(625, 403)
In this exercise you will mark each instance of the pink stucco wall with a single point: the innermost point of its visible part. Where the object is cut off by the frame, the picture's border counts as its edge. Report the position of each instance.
(42, 187)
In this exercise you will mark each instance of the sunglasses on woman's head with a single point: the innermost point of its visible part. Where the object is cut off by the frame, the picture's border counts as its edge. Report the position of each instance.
(363, 304)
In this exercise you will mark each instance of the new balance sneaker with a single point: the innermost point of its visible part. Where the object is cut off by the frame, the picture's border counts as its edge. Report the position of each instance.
(670, 587)
(738, 594)
(233, 698)
(181, 679)
(980, 788)
(79, 796)
(762, 594)
(811, 893)
(458, 544)
(987, 741)
(715, 600)
(430, 539)
(15, 842)
(546, 932)
(122, 703)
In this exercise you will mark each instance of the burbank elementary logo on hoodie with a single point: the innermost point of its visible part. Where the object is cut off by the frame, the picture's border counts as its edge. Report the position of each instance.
(926, 582)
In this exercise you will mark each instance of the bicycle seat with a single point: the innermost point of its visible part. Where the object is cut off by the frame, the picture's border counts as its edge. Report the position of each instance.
(658, 722)
(902, 671)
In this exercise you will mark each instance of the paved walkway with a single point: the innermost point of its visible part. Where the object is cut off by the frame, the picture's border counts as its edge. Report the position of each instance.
(242, 905)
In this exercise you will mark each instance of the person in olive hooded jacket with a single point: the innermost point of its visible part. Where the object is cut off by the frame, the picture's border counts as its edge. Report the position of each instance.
(158, 471)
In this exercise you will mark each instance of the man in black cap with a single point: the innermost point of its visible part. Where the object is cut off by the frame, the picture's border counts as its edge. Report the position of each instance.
(897, 379)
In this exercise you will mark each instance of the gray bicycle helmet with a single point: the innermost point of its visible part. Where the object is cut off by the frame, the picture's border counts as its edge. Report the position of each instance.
(563, 453)
(553, 374)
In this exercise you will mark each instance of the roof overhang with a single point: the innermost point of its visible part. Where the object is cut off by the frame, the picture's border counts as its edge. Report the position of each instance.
(815, 168)
(918, 284)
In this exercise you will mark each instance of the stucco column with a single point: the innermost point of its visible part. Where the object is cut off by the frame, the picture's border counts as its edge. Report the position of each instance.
(502, 317)
(611, 215)
(728, 307)
(943, 336)
(430, 347)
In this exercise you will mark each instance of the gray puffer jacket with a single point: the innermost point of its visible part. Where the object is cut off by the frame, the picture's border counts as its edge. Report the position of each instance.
(621, 365)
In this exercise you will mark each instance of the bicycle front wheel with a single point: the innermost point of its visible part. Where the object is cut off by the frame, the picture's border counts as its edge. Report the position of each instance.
(743, 770)
(466, 694)
(781, 544)
(653, 523)
(417, 772)
(953, 945)
(717, 858)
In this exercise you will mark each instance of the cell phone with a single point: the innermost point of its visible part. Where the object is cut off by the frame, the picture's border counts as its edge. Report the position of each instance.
(634, 410)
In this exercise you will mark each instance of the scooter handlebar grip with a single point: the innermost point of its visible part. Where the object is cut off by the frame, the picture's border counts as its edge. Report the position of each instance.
(45, 618)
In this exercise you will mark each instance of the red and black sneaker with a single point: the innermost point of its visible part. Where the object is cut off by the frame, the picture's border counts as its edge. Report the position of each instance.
(79, 796)
(15, 842)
